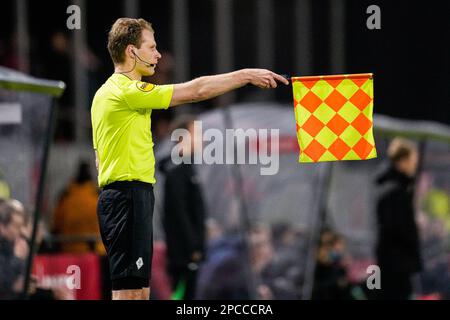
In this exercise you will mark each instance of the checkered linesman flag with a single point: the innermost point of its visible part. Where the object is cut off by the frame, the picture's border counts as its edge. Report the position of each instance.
(334, 117)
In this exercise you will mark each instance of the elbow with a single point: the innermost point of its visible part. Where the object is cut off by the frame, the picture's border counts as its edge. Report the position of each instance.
(197, 90)
(202, 91)
(201, 94)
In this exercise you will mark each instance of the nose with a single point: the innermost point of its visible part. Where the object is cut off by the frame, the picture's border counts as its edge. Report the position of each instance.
(158, 55)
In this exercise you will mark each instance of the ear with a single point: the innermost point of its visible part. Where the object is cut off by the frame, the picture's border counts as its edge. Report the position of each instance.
(130, 50)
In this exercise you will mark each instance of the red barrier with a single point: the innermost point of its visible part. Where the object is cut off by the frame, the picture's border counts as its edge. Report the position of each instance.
(70, 276)
(160, 282)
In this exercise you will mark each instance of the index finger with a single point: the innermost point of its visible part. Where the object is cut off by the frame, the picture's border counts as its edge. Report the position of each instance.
(280, 78)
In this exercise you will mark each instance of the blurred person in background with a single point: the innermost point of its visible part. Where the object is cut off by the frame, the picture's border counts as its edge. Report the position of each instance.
(12, 227)
(261, 255)
(286, 270)
(224, 274)
(13, 249)
(75, 214)
(184, 214)
(213, 230)
(398, 247)
(331, 280)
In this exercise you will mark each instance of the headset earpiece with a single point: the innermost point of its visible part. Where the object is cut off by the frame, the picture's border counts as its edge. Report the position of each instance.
(133, 52)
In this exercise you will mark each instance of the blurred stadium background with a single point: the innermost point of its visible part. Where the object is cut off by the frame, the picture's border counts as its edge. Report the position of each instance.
(288, 212)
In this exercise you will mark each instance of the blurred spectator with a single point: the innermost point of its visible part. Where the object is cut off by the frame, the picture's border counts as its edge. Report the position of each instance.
(35, 290)
(398, 249)
(285, 271)
(213, 230)
(13, 249)
(284, 236)
(331, 280)
(75, 214)
(222, 276)
(261, 255)
(184, 216)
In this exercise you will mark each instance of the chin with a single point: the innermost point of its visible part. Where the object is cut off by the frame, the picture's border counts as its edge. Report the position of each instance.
(148, 73)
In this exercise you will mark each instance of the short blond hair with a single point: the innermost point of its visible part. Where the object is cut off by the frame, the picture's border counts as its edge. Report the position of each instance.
(400, 149)
(123, 32)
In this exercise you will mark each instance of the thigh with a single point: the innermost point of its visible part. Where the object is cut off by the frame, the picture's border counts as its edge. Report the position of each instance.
(142, 242)
(116, 228)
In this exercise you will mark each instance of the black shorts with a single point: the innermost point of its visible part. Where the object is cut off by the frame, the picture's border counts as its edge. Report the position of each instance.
(125, 215)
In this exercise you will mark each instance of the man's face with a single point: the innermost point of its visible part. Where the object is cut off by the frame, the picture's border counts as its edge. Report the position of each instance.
(12, 230)
(148, 53)
(409, 165)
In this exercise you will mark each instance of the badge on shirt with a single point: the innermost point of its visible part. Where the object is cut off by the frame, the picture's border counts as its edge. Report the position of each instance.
(144, 86)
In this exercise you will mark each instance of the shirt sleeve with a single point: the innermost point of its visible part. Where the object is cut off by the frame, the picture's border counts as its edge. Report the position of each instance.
(144, 95)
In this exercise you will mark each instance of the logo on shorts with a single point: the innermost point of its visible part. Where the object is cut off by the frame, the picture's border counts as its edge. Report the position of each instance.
(139, 263)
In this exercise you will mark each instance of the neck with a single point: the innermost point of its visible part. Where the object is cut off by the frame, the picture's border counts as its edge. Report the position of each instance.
(128, 70)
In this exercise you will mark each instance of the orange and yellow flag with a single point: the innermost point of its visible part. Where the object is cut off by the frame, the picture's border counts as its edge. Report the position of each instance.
(334, 116)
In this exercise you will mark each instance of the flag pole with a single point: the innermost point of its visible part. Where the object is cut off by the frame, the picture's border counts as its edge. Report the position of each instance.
(323, 190)
(238, 189)
(39, 199)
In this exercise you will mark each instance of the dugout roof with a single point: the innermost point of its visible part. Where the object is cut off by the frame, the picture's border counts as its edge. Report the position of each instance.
(17, 81)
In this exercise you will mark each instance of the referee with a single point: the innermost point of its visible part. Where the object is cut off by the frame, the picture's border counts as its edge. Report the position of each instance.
(122, 139)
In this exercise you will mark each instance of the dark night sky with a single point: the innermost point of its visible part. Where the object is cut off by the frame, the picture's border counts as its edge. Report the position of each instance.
(409, 55)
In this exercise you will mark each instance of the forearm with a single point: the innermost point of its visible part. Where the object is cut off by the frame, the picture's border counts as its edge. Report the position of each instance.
(208, 87)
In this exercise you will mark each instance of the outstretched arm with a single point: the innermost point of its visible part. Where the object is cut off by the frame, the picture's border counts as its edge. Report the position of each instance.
(208, 87)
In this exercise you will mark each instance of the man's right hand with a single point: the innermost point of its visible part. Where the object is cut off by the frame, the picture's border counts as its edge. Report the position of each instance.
(208, 87)
(264, 78)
